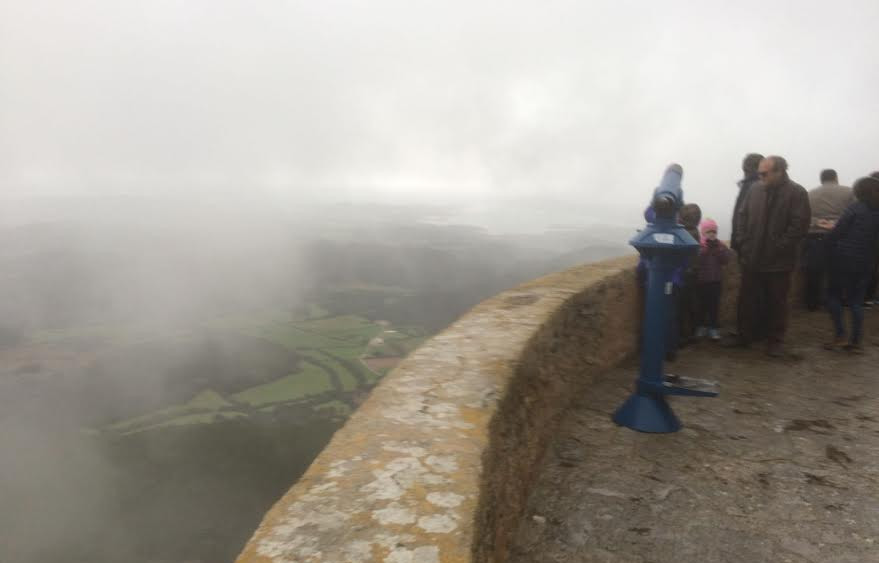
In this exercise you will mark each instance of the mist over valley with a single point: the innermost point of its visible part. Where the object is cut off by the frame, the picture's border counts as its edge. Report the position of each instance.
(169, 371)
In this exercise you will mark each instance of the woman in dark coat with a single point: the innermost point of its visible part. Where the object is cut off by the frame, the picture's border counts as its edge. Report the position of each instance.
(851, 246)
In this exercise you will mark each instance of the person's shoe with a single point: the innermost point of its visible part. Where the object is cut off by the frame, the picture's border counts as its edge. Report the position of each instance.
(869, 304)
(853, 348)
(701, 332)
(837, 344)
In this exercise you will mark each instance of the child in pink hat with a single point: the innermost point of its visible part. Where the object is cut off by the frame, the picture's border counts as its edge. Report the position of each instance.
(713, 256)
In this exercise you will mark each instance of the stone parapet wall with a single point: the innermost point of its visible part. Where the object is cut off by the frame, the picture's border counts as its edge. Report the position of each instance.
(436, 465)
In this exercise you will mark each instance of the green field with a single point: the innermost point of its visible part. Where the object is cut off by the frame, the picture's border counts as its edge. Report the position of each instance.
(299, 385)
(329, 350)
(203, 408)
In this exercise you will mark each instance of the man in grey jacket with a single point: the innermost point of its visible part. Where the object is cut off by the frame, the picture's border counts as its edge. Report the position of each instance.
(827, 201)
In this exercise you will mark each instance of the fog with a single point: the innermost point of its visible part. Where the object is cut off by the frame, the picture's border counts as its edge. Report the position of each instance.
(221, 222)
(518, 103)
(170, 366)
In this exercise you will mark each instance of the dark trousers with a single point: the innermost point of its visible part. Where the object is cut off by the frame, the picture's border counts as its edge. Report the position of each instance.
(814, 270)
(746, 305)
(814, 289)
(850, 286)
(709, 304)
(763, 295)
(874, 281)
(687, 299)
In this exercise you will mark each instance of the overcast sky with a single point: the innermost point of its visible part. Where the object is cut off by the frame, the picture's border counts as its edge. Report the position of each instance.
(571, 105)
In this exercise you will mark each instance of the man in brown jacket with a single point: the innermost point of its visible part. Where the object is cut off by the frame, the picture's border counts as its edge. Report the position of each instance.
(773, 221)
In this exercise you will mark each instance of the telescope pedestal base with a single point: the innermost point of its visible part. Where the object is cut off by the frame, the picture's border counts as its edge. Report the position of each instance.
(647, 413)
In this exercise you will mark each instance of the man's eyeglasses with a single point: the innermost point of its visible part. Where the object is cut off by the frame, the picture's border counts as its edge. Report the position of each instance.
(763, 174)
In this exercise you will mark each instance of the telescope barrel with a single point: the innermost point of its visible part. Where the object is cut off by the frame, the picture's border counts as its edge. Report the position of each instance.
(669, 197)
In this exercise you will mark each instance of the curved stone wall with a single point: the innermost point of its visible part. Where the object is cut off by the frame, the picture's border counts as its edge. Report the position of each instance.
(436, 465)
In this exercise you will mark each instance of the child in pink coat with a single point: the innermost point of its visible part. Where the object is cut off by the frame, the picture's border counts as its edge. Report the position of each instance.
(713, 256)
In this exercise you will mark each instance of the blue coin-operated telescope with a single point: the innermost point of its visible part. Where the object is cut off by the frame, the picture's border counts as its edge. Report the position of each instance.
(665, 246)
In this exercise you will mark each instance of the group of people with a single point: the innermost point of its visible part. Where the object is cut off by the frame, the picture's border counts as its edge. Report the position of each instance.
(832, 231)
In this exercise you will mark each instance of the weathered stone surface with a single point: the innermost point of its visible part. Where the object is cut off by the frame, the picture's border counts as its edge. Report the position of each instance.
(783, 466)
(436, 464)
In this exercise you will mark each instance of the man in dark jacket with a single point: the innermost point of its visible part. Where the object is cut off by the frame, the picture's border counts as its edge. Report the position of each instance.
(749, 168)
(773, 221)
